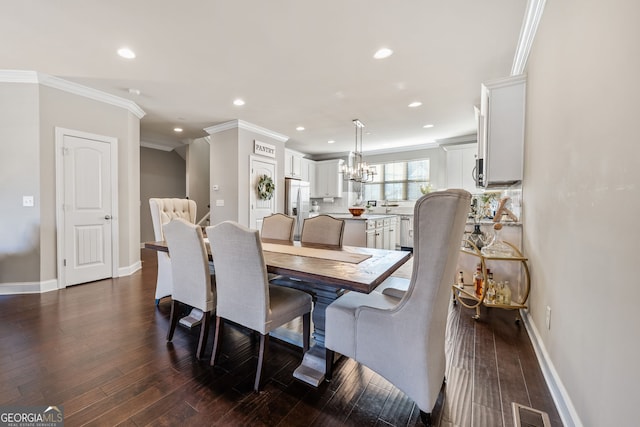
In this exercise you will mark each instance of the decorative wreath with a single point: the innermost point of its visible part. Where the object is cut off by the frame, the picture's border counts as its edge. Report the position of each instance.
(265, 187)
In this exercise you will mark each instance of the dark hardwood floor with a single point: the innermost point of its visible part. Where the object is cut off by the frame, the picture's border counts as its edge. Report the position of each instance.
(99, 350)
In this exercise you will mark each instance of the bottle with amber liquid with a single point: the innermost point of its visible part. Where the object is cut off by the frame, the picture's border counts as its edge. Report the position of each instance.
(477, 280)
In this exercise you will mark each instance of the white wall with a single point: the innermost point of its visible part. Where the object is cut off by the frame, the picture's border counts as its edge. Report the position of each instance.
(581, 201)
(198, 168)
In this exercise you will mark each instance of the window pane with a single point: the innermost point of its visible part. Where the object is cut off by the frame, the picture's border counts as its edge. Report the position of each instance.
(418, 170)
(394, 171)
(393, 191)
(413, 190)
(372, 191)
(379, 174)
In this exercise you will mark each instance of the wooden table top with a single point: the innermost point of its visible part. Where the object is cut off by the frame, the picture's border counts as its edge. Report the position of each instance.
(361, 276)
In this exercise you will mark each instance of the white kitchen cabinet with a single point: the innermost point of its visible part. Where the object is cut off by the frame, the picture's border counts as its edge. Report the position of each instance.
(293, 164)
(390, 233)
(308, 171)
(328, 179)
(460, 161)
(501, 132)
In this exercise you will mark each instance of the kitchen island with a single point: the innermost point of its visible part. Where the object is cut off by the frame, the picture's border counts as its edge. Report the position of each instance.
(370, 230)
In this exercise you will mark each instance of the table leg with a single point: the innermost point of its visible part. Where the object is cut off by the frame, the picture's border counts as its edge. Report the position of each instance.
(313, 366)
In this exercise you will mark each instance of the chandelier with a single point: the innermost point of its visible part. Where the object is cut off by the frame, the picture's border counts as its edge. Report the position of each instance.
(358, 171)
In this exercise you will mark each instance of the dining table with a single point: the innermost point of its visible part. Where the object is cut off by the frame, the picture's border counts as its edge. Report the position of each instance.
(326, 272)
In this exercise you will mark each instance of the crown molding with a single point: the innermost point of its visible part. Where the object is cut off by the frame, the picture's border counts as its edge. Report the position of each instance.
(532, 17)
(155, 146)
(20, 76)
(241, 124)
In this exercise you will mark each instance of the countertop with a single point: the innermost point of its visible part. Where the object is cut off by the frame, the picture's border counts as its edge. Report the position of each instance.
(362, 217)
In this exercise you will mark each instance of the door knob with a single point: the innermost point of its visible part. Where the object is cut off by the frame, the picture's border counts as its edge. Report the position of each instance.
(107, 217)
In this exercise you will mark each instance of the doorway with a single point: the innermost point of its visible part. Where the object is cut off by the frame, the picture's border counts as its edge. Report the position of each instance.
(259, 208)
(86, 207)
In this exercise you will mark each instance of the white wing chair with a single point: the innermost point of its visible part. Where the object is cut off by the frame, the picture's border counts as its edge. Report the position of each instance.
(403, 339)
(192, 280)
(163, 211)
(244, 293)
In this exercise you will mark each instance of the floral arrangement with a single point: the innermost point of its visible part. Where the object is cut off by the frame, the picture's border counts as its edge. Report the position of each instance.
(265, 187)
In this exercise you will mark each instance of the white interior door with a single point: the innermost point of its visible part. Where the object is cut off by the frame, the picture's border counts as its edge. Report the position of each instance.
(258, 208)
(87, 209)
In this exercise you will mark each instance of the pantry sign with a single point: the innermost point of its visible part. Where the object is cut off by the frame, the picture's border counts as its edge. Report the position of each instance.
(264, 149)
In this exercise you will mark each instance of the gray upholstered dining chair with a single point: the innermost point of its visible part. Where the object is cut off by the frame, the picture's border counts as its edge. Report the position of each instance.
(244, 293)
(322, 230)
(163, 211)
(403, 339)
(192, 281)
(278, 227)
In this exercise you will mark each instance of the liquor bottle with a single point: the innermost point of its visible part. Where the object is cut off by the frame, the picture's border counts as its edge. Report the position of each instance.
(491, 288)
(507, 293)
(477, 280)
(460, 280)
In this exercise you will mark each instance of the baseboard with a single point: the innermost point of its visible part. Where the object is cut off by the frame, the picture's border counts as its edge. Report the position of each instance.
(559, 393)
(28, 287)
(128, 271)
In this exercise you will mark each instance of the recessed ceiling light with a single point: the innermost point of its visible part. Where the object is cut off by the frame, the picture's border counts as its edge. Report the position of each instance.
(300, 128)
(415, 104)
(427, 126)
(126, 53)
(383, 53)
(134, 91)
(331, 141)
(239, 102)
(177, 130)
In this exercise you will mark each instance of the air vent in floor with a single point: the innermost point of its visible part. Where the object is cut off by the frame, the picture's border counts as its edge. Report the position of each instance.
(523, 416)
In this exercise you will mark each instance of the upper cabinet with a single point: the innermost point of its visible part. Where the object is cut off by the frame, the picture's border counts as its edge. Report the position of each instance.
(292, 164)
(461, 160)
(501, 132)
(328, 182)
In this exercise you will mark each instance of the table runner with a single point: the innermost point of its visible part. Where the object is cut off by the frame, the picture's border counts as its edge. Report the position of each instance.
(333, 255)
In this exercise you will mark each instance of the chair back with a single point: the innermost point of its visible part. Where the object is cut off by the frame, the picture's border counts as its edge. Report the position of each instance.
(164, 210)
(189, 264)
(278, 227)
(322, 230)
(419, 343)
(241, 274)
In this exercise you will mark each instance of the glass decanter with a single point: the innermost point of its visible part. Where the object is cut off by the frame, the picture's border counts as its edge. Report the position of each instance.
(497, 247)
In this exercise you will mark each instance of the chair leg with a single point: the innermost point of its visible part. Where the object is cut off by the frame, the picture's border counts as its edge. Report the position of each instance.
(217, 340)
(306, 331)
(426, 418)
(264, 342)
(329, 367)
(204, 333)
(173, 319)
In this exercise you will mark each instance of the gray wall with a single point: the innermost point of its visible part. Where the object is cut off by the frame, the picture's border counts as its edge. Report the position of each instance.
(162, 174)
(581, 201)
(30, 113)
(19, 176)
(198, 166)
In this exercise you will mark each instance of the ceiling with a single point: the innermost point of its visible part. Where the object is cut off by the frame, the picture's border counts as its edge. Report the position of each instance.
(294, 63)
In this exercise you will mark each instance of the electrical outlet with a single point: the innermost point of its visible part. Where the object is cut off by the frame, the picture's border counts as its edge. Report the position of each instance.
(548, 317)
(27, 201)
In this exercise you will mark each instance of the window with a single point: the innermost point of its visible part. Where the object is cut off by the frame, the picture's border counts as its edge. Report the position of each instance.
(398, 181)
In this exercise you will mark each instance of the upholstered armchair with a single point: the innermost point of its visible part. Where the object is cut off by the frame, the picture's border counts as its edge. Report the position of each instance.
(192, 280)
(244, 295)
(163, 211)
(278, 227)
(402, 337)
(322, 230)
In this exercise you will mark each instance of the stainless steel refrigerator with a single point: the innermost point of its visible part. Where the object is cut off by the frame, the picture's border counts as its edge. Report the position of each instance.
(297, 202)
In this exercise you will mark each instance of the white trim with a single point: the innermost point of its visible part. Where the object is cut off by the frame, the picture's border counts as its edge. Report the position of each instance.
(20, 76)
(28, 287)
(115, 226)
(129, 270)
(155, 146)
(559, 393)
(532, 17)
(241, 124)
